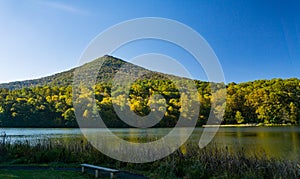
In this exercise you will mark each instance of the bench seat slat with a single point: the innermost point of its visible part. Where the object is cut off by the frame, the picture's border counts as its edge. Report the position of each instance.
(100, 168)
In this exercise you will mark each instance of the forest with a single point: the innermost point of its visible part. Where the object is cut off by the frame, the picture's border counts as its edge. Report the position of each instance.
(273, 101)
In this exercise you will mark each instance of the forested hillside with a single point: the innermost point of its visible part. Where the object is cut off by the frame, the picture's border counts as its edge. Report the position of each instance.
(48, 102)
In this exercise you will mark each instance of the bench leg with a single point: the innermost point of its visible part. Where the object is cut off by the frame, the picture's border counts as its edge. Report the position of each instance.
(96, 173)
(82, 169)
(111, 175)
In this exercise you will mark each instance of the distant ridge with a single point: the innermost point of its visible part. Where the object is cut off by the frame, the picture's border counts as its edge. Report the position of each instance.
(109, 68)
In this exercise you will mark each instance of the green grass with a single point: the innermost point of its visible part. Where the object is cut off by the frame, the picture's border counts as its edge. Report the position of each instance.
(42, 174)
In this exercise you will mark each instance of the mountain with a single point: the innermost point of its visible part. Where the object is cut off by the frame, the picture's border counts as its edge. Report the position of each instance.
(275, 101)
(109, 68)
(49, 102)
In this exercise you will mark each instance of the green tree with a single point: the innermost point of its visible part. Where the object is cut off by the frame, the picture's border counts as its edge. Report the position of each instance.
(293, 113)
(239, 118)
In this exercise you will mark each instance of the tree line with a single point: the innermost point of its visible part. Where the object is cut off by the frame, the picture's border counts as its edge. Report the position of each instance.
(273, 101)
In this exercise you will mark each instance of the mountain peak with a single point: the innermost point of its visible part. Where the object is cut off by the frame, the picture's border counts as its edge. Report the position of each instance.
(108, 69)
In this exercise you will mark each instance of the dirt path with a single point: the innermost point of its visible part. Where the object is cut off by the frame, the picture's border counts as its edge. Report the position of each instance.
(122, 174)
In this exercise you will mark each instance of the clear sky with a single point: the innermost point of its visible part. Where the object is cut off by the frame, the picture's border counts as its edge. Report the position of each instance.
(252, 39)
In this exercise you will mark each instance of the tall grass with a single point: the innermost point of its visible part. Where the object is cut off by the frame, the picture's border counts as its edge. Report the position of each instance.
(214, 161)
(187, 162)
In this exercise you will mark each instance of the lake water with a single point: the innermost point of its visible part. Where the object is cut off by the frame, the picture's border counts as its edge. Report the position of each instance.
(279, 142)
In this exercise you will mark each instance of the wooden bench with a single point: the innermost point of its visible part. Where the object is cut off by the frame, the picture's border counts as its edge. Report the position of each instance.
(97, 168)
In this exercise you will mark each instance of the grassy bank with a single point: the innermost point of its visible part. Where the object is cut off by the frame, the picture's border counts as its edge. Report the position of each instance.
(187, 162)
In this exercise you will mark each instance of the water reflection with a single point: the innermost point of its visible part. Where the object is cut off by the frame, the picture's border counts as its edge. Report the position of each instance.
(279, 142)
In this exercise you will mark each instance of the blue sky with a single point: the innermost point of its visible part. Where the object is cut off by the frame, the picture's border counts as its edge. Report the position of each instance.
(252, 39)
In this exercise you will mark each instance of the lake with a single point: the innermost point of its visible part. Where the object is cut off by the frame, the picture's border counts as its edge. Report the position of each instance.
(279, 142)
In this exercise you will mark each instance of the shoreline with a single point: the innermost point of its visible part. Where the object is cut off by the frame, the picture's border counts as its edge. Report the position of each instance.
(203, 126)
(249, 125)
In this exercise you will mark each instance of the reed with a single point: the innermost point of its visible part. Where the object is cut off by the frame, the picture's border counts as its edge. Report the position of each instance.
(186, 162)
